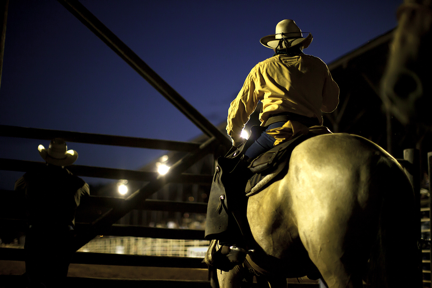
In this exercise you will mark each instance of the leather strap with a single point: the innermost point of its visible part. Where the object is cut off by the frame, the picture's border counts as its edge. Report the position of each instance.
(285, 117)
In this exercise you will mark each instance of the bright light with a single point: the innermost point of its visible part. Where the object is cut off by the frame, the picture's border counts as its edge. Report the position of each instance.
(40, 147)
(244, 134)
(122, 189)
(162, 169)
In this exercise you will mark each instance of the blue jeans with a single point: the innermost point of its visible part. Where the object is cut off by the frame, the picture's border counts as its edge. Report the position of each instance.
(263, 143)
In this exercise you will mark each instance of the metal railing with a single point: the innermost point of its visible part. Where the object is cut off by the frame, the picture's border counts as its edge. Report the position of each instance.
(195, 151)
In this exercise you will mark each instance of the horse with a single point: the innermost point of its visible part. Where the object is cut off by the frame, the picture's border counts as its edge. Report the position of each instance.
(345, 212)
(405, 86)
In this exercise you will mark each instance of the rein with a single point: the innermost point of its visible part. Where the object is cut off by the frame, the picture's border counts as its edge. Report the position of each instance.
(413, 6)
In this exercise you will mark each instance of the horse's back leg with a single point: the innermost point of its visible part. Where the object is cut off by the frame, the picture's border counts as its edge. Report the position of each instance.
(337, 244)
(335, 207)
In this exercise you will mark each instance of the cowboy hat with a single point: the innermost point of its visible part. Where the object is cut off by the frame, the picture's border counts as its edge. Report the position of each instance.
(289, 31)
(57, 153)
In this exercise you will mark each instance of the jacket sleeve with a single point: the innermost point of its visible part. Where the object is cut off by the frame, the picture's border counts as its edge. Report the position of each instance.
(85, 190)
(20, 184)
(330, 94)
(241, 108)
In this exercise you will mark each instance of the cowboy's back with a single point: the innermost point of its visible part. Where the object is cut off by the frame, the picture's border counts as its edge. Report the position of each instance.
(52, 195)
(300, 84)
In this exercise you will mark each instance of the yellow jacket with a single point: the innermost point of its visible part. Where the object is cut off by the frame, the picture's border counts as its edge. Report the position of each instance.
(296, 84)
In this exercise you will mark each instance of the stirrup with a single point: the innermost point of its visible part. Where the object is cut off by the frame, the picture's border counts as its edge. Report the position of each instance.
(225, 261)
(236, 254)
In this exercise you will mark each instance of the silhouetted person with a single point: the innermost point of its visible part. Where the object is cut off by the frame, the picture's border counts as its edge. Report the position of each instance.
(52, 195)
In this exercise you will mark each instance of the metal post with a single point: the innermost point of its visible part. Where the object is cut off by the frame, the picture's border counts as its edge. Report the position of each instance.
(4, 4)
(413, 157)
(100, 30)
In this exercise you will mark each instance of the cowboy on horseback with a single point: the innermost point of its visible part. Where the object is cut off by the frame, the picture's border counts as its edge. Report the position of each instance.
(294, 89)
(291, 83)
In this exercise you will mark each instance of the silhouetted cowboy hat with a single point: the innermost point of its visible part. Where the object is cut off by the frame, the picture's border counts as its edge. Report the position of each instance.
(57, 153)
(290, 34)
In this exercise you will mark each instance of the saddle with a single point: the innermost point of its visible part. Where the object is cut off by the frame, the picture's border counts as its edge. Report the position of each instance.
(223, 222)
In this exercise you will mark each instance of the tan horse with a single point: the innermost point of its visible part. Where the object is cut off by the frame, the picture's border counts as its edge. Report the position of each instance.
(345, 207)
(406, 87)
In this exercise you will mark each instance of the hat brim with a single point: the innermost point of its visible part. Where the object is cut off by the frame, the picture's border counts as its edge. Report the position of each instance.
(70, 157)
(271, 42)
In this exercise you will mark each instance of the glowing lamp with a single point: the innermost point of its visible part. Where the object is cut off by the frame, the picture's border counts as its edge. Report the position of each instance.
(122, 189)
(162, 169)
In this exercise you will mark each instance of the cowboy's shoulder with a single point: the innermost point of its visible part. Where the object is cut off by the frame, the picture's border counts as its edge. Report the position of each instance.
(36, 172)
(269, 61)
(75, 178)
(315, 59)
(264, 64)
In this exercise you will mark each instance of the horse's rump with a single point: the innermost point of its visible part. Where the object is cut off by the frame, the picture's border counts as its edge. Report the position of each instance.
(333, 208)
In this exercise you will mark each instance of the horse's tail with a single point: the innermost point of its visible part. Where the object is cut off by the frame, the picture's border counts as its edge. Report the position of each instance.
(395, 261)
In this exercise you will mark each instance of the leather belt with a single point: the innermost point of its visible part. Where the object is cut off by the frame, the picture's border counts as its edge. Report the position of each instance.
(285, 117)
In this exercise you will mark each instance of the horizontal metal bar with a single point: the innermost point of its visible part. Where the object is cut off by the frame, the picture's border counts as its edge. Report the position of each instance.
(115, 259)
(425, 251)
(425, 209)
(101, 139)
(13, 205)
(424, 220)
(150, 232)
(426, 261)
(425, 231)
(107, 173)
(130, 57)
(16, 280)
(118, 230)
(149, 204)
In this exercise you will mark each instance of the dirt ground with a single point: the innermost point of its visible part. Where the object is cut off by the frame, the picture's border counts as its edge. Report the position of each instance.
(126, 272)
(119, 272)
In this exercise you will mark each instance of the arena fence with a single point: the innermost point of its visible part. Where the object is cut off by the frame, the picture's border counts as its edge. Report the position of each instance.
(217, 140)
(147, 246)
(137, 246)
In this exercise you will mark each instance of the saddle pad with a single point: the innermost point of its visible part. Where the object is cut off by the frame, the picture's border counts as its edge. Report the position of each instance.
(258, 181)
(269, 164)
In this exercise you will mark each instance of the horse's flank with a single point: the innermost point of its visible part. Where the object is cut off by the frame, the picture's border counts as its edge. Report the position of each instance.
(332, 209)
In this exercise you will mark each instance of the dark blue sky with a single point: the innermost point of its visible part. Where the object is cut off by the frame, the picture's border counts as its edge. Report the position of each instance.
(58, 75)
